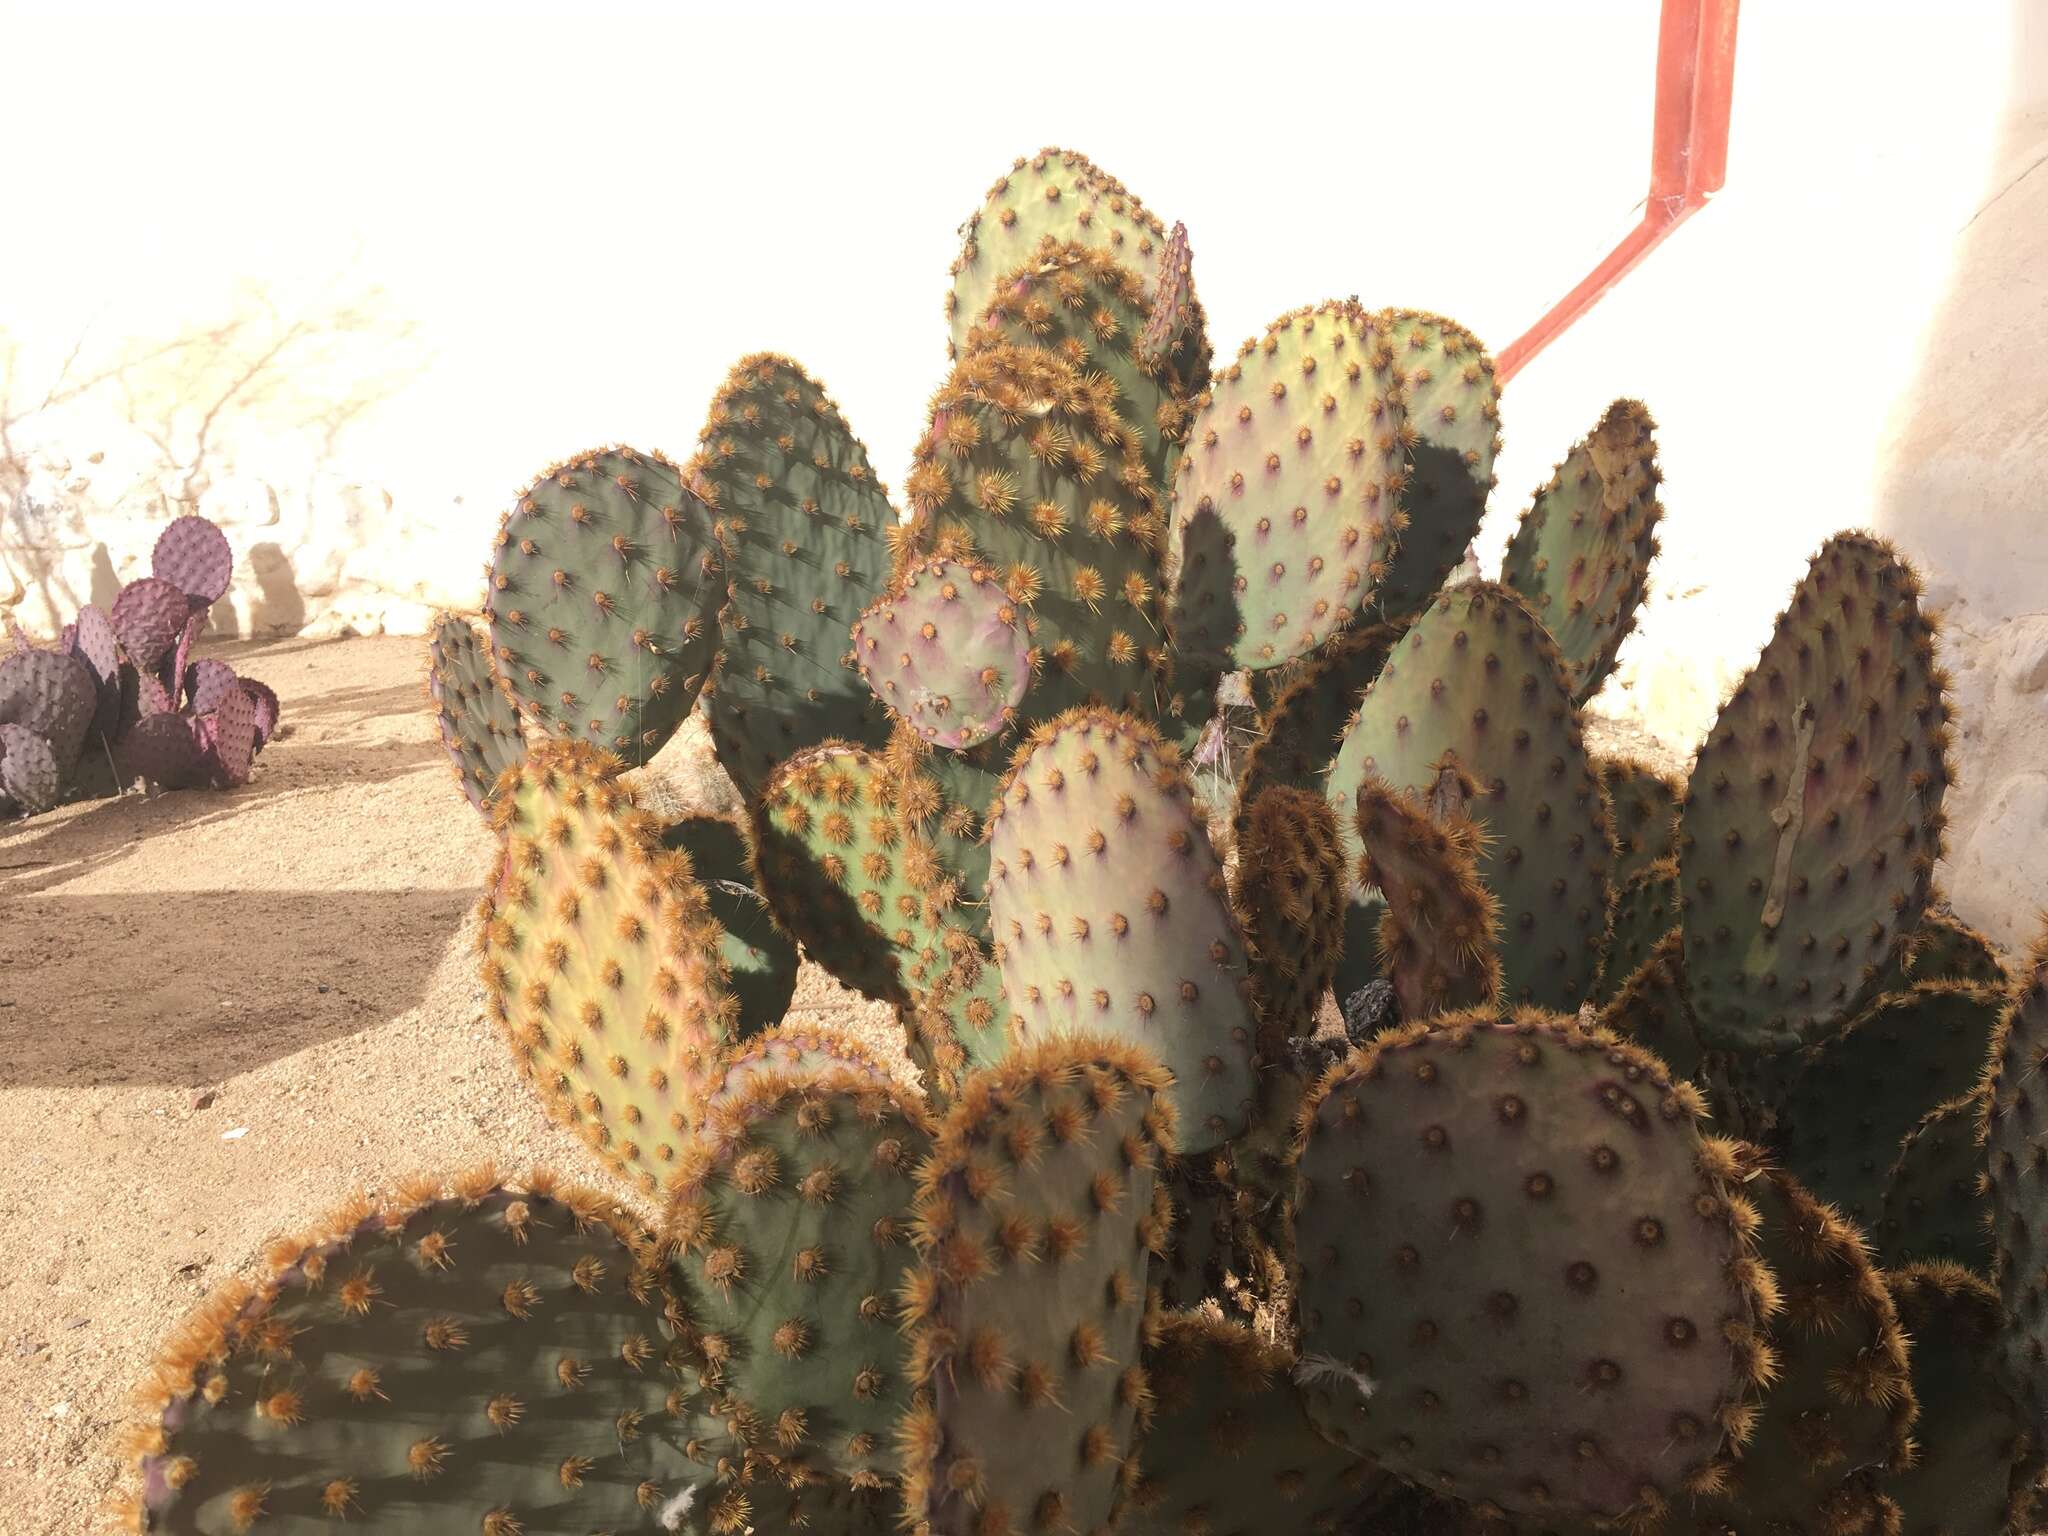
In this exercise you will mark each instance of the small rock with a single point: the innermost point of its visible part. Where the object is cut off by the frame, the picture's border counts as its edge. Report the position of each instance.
(27, 1348)
(204, 1098)
(2024, 667)
(75, 1323)
(323, 986)
(236, 1134)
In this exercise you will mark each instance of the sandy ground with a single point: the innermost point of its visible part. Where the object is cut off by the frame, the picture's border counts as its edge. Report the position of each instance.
(219, 1014)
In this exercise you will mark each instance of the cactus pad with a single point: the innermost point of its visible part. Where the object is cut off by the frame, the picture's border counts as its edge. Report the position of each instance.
(193, 555)
(1651, 1010)
(1037, 1219)
(1301, 729)
(1289, 894)
(29, 776)
(605, 589)
(1934, 1206)
(946, 652)
(807, 529)
(1810, 830)
(1645, 910)
(473, 710)
(206, 682)
(1477, 676)
(227, 738)
(789, 1217)
(1110, 915)
(470, 1358)
(761, 963)
(149, 615)
(2016, 1168)
(1581, 555)
(1284, 507)
(1523, 1274)
(1642, 810)
(1943, 948)
(600, 960)
(95, 643)
(163, 748)
(53, 694)
(1440, 935)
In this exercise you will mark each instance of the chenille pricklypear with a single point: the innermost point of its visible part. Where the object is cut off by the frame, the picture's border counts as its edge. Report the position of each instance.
(1289, 893)
(948, 652)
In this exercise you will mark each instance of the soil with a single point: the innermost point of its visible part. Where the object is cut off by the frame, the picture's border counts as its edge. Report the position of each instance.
(220, 1013)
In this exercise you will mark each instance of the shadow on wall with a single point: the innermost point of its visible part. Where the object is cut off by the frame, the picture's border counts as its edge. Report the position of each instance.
(277, 610)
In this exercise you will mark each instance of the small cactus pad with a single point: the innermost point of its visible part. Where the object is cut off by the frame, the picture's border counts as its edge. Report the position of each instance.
(1581, 554)
(1230, 1451)
(789, 1218)
(149, 616)
(1452, 435)
(1110, 915)
(475, 1357)
(1642, 810)
(1055, 193)
(761, 963)
(605, 590)
(2016, 1153)
(1037, 1219)
(1943, 948)
(829, 856)
(475, 713)
(1284, 508)
(1524, 1277)
(95, 643)
(1858, 1095)
(268, 710)
(193, 555)
(1645, 910)
(163, 748)
(1440, 935)
(1970, 1475)
(1810, 830)
(946, 652)
(206, 683)
(1934, 1207)
(1841, 1404)
(1477, 676)
(29, 775)
(1301, 729)
(794, 1049)
(807, 529)
(227, 739)
(600, 960)
(52, 693)
(1289, 894)
(1650, 1010)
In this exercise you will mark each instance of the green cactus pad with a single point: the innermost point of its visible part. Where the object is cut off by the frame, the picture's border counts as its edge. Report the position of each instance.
(1096, 312)
(2016, 1177)
(799, 1048)
(1642, 810)
(601, 962)
(475, 713)
(760, 961)
(829, 856)
(1645, 910)
(1856, 1097)
(1289, 894)
(1230, 1451)
(1581, 554)
(1110, 914)
(1809, 833)
(1943, 948)
(1054, 194)
(1523, 1274)
(946, 652)
(1452, 437)
(1477, 676)
(605, 589)
(789, 1221)
(474, 1357)
(1650, 1010)
(1284, 508)
(1038, 1220)
(1840, 1408)
(1934, 1204)
(1972, 1475)
(806, 526)
(1439, 937)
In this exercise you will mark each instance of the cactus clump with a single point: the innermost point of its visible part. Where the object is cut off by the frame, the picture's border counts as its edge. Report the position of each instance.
(475, 713)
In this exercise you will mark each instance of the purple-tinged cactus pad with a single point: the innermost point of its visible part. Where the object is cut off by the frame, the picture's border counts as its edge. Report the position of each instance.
(268, 710)
(193, 556)
(51, 694)
(165, 749)
(149, 616)
(946, 652)
(28, 770)
(229, 739)
(151, 697)
(171, 671)
(207, 682)
(95, 643)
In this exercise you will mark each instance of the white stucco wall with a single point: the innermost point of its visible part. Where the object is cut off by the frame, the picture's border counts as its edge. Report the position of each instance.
(571, 242)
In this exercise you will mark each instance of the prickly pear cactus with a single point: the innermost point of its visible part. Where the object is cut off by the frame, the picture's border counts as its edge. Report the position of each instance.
(789, 1220)
(604, 596)
(1284, 514)
(1524, 1275)
(1645, 910)
(1943, 948)
(193, 555)
(807, 530)
(1935, 1209)
(1581, 554)
(760, 961)
(1289, 894)
(29, 775)
(1037, 1221)
(474, 1356)
(1439, 937)
(1111, 917)
(52, 695)
(1650, 1010)
(1477, 676)
(946, 651)
(1813, 820)
(1302, 728)
(2016, 1175)
(476, 715)
(600, 961)
(1642, 812)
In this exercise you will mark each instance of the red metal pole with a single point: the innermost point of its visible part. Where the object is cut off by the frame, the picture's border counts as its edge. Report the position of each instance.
(1688, 157)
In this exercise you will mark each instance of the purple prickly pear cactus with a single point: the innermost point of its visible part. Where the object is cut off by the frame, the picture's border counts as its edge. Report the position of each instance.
(149, 616)
(207, 682)
(227, 737)
(193, 556)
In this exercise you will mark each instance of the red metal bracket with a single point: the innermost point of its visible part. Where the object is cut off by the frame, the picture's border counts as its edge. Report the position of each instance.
(1688, 157)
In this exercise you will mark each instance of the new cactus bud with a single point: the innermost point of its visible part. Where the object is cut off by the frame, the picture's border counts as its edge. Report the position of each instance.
(947, 652)
(1439, 938)
(475, 713)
